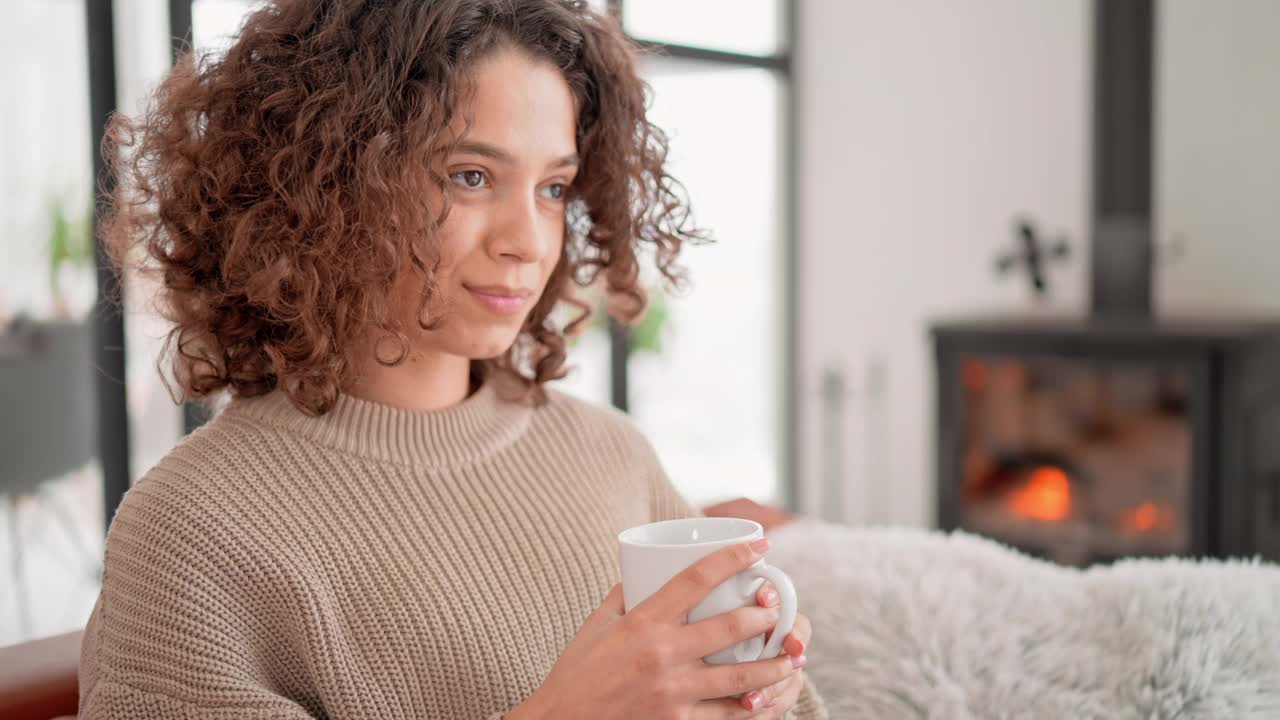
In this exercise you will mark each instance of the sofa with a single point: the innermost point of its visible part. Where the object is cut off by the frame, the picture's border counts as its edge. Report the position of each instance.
(38, 678)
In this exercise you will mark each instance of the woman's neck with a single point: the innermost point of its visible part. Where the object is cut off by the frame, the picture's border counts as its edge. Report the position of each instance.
(424, 381)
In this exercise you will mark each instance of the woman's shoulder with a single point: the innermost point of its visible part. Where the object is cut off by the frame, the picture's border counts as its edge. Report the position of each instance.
(228, 450)
(210, 482)
(187, 556)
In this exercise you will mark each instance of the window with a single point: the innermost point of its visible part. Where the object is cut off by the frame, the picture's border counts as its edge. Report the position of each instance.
(748, 27)
(52, 515)
(50, 475)
(706, 379)
(708, 400)
(214, 23)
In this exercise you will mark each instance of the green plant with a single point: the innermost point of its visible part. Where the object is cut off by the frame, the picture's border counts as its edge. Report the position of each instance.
(70, 242)
(646, 335)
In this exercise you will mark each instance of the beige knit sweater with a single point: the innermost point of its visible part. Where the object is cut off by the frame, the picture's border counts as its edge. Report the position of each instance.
(369, 563)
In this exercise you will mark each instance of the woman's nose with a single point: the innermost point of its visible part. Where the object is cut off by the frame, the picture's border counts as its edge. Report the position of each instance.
(525, 233)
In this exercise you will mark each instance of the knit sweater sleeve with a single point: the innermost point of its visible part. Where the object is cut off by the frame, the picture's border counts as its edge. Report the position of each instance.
(666, 503)
(177, 631)
(109, 699)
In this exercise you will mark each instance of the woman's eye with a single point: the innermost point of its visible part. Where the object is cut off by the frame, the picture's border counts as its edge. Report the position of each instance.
(555, 191)
(469, 178)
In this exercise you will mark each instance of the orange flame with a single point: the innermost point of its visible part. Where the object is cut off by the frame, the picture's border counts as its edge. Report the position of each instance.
(1045, 496)
(1147, 517)
(974, 373)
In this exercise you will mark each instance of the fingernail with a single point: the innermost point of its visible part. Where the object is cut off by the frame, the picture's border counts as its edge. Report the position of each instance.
(770, 598)
(759, 546)
(753, 699)
(797, 647)
(799, 661)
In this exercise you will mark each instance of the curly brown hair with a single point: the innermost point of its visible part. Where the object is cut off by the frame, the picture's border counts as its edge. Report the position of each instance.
(276, 189)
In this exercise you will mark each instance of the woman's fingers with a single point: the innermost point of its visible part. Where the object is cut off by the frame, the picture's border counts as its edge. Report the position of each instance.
(772, 707)
(786, 700)
(721, 631)
(722, 681)
(729, 709)
(766, 696)
(798, 640)
(674, 600)
(763, 697)
(767, 595)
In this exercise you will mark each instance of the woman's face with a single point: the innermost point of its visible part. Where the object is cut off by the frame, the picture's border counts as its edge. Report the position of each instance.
(503, 235)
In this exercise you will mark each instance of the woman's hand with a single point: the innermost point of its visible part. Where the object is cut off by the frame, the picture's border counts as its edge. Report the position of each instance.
(776, 696)
(784, 696)
(648, 663)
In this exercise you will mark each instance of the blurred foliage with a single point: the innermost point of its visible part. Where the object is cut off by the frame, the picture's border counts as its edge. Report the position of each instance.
(70, 242)
(646, 335)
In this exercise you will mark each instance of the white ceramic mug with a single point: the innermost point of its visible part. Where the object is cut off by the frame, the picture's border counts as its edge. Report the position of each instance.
(653, 554)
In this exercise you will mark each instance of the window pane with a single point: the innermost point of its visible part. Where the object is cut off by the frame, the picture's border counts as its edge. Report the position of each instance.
(751, 27)
(708, 397)
(589, 363)
(215, 23)
(155, 421)
(50, 478)
(51, 487)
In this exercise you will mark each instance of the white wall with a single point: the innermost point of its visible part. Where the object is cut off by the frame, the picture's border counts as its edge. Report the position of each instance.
(1217, 178)
(925, 128)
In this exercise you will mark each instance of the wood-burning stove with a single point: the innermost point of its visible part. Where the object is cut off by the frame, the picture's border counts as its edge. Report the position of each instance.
(1120, 433)
(1087, 440)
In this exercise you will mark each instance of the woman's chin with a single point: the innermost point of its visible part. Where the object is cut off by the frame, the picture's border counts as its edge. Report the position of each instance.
(492, 344)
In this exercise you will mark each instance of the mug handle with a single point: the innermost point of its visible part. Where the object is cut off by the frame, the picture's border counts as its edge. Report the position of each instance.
(787, 617)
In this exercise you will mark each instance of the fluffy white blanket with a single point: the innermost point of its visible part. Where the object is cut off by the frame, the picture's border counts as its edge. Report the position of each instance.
(919, 624)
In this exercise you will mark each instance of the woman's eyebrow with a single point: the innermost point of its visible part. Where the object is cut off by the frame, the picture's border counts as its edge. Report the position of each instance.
(493, 152)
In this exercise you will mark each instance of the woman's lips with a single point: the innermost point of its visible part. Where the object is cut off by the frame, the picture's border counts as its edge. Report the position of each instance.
(500, 299)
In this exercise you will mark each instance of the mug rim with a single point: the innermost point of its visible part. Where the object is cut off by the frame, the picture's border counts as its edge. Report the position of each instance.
(752, 526)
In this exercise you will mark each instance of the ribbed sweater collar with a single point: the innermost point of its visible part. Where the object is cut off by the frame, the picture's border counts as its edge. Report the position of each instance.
(459, 435)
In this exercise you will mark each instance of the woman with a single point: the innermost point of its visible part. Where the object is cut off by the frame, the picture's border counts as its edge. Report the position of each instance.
(362, 217)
